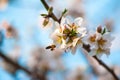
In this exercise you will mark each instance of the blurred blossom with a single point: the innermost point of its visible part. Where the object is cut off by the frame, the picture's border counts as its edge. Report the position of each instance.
(106, 77)
(8, 67)
(78, 10)
(103, 74)
(44, 61)
(109, 24)
(3, 4)
(78, 74)
(100, 71)
(10, 31)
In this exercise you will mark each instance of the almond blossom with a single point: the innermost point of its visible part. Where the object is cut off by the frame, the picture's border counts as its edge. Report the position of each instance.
(11, 32)
(100, 42)
(3, 5)
(68, 35)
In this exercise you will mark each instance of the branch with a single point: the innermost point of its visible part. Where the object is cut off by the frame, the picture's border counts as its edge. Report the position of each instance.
(99, 61)
(38, 76)
(52, 14)
(106, 67)
(87, 48)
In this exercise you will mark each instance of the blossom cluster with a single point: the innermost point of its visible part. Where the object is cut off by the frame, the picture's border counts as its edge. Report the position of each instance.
(70, 35)
(100, 42)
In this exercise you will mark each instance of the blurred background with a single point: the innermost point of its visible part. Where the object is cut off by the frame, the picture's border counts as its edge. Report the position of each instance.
(23, 40)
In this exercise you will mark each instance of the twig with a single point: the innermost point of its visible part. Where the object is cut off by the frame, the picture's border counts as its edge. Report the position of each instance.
(87, 48)
(106, 67)
(52, 14)
(17, 66)
(99, 61)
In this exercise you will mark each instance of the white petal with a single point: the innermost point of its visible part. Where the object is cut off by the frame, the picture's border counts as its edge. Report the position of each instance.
(62, 28)
(82, 31)
(108, 36)
(57, 25)
(68, 21)
(63, 45)
(98, 36)
(107, 51)
(75, 41)
(78, 21)
(95, 45)
(69, 44)
(68, 27)
(99, 55)
(107, 45)
(55, 34)
(63, 20)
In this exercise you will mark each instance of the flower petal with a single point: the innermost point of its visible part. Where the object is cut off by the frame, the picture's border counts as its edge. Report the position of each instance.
(63, 45)
(78, 21)
(63, 20)
(57, 25)
(82, 31)
(75, 42)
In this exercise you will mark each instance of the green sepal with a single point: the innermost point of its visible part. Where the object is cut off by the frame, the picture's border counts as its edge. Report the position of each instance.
(64, 12)
(104, 31)
(44, 15)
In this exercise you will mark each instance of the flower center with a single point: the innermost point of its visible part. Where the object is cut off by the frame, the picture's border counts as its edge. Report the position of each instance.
(101, 41)
(92, 38)
(72, 33)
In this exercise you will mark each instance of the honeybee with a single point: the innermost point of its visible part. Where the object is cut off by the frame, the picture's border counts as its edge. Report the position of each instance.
(51, 47)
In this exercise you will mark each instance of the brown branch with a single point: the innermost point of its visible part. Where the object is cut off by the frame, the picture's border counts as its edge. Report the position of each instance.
(52, 14)
(87, 48)
(106, 67)
(84, 46)
(17, 66)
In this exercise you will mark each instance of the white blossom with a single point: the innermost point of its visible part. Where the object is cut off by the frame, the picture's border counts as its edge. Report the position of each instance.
(68, 35)
(100, 43)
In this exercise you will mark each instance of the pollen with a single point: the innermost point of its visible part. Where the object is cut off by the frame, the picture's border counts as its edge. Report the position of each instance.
(101, 41)
(100, 50)
(92, 38)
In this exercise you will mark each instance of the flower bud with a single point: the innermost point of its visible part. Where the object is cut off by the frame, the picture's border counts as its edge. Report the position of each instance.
(99, 29)
(45, 22)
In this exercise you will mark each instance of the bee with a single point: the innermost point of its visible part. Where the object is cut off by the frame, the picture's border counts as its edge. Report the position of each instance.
(51, 47)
